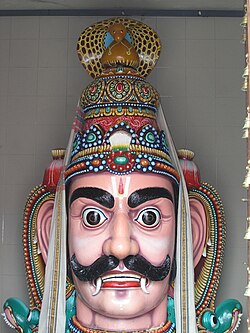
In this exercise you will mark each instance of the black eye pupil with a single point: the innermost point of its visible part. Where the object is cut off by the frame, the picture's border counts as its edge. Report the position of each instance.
(214, 320)
(149, 218)
(93, 218)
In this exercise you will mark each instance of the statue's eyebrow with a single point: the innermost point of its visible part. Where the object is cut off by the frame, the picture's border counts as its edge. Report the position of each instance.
(149, 193)
(97, 194)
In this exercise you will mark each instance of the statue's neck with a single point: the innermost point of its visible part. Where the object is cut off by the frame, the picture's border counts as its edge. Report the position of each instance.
(121, 321)
(76, 327)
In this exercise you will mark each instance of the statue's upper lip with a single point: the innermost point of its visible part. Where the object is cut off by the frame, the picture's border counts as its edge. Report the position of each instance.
(121, 275)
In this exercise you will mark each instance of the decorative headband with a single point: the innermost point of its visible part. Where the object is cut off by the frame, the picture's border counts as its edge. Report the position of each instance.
(121, 151)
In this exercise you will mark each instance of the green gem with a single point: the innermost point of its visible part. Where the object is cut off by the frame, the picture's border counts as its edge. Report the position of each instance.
(108, 109)
(121, 160)
(119, 109)
(150, 137)
(91, 137)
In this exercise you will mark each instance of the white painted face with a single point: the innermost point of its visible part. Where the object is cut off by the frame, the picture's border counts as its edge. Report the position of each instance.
(121, 216)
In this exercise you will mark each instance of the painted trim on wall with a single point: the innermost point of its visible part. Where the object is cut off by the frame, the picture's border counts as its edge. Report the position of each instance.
(125, 12)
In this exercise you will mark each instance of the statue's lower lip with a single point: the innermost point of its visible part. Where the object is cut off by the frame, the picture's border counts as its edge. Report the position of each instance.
(120, 284)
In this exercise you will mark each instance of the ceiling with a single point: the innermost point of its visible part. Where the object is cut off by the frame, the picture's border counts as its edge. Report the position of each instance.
(121, 4)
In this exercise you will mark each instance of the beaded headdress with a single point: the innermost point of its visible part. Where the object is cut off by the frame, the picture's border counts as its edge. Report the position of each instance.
(117, 113)
(120, 128)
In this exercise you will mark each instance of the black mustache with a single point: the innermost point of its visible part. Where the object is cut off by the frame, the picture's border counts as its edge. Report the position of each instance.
(106, 263)
(143, 266)
(96, 269)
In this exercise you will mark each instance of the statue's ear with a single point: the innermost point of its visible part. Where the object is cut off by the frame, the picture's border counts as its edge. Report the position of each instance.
(44, 215)
(199, 228)
(44, 218)
(197, 210)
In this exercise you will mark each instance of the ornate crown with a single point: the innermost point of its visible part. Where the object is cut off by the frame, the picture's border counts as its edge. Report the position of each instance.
(117, 128)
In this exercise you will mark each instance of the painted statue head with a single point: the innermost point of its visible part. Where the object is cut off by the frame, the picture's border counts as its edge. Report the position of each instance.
(123, 194)
(122, 187)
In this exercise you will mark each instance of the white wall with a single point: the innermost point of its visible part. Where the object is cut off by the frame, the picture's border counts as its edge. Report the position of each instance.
(199, 79)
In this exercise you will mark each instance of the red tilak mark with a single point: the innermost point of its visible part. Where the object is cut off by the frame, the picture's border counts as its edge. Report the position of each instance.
(121, 187)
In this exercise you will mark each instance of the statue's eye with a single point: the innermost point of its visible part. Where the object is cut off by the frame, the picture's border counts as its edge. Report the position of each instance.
(149, 217)
(93, 217)
(210, 321)
(213, 321)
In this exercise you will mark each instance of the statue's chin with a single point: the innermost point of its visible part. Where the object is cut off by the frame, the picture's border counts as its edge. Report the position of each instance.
(122, 308)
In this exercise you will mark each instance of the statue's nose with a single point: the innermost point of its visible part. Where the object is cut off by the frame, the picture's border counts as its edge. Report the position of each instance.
(121, 242)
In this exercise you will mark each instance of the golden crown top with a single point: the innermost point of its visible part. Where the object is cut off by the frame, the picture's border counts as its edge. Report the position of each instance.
(118, 42)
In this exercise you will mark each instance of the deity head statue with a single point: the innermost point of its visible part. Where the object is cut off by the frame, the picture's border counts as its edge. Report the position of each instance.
(122, 235)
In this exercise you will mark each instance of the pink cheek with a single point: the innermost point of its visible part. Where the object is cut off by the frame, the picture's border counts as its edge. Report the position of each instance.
(85, 243)
(84, 250)
(157, 249)
(157, 246)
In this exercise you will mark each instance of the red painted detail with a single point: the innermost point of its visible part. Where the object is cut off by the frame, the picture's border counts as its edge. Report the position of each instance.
(121, 187)
(93, 89)
(96, 162)
(145, 90)
(135, 122)
(191, 173)
(144, 162)
(119, 87)
(52, 174)
(125, 284)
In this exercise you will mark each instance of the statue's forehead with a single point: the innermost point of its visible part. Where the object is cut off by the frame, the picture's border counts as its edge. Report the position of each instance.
(119, 185)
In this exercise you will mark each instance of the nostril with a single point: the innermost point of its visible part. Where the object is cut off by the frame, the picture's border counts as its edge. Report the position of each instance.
(120, 246)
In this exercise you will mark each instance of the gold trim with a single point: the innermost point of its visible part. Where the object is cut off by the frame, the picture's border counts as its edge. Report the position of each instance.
(204, 276)
(124, 112)
(107, 149)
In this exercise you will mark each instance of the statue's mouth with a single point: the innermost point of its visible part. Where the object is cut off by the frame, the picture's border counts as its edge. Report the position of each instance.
(9, 318)
(236, 319)
(121, 280)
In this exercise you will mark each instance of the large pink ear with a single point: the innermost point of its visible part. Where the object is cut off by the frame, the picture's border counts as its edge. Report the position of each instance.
(199, 228)
(44, 218)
